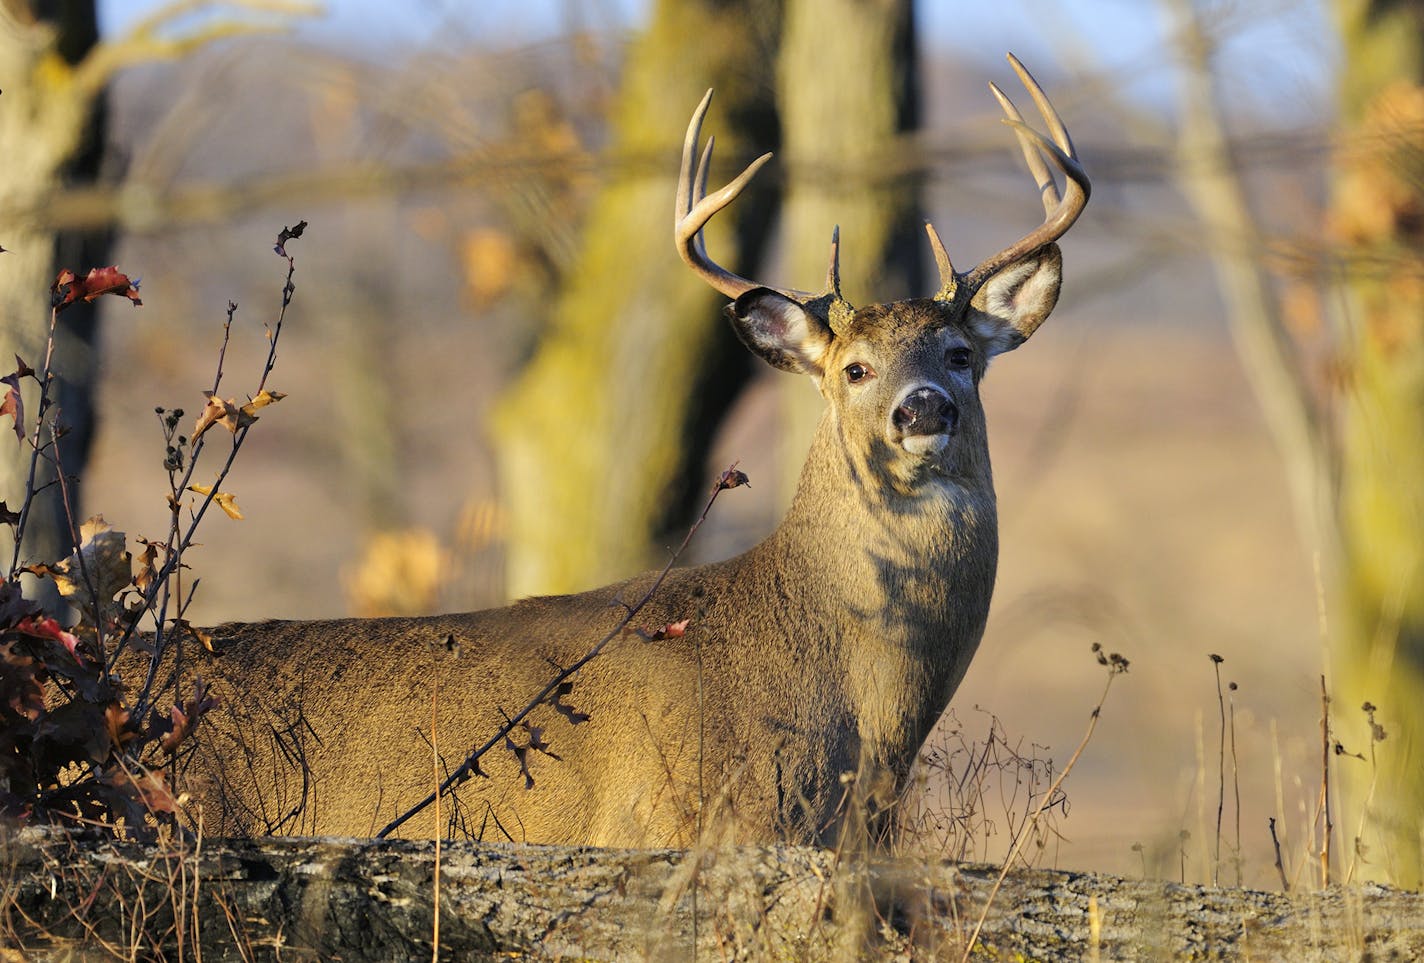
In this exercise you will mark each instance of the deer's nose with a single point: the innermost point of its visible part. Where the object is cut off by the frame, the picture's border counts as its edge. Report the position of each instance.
(925, 411)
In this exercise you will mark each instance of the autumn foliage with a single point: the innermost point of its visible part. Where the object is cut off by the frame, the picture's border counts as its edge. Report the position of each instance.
(91, 734)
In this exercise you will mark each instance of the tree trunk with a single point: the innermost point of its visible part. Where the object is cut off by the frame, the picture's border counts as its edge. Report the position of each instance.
(848, 92)
(357, 901)
(1378, 214)
(50, 131)
(600, 442)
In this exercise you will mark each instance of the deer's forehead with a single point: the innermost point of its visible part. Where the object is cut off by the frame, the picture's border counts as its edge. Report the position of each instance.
(902, 323)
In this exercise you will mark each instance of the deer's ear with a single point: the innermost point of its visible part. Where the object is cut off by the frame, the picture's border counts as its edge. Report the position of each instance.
(1011, 304)
(781, 331)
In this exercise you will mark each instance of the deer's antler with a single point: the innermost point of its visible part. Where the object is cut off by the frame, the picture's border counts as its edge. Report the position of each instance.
(1060, 210)
(695, 207)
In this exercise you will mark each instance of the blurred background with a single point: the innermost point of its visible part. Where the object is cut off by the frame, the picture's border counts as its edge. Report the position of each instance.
(502, 381)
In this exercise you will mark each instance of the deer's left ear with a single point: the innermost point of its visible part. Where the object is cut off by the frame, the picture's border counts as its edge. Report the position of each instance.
(782, 332)
(1011, 304)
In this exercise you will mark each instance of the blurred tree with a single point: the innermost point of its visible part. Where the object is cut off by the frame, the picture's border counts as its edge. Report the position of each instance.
(1355, 451)
(848, 93)
(52, 131)
(1378, 215)
(54, 70)
(636, 367)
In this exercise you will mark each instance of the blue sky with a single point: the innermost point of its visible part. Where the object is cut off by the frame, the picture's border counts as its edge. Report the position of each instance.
(1279, 52)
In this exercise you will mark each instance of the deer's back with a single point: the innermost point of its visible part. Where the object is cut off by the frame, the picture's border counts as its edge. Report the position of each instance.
(326, 727)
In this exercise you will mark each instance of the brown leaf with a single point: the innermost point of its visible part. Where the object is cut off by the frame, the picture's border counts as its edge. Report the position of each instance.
(8, 517)
(147, 564)
(731, 478)
(184, 718)
(12, 404)
(116, 720)
(67, 288)
(217, 412)
(288, 233)
(227, 501)
(100, 570)
(263, 399)
(204, 638)
(153, 792)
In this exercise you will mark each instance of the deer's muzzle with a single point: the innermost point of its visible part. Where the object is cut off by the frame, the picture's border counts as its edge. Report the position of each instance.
(924, 419)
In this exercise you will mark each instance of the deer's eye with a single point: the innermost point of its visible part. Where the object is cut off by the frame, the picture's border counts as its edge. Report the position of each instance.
(856, 372)
(959, 357)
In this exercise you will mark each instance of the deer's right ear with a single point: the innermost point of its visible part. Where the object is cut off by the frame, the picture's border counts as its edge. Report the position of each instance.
(1011, 304)
(780, 331)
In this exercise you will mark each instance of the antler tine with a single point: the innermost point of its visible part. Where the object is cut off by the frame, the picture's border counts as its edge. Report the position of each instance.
(1060, 210)
(1045, 107)
(695, 207)
(699, 189)
(1047, 188)
(687, 173)
(833, 273)
(948, 280)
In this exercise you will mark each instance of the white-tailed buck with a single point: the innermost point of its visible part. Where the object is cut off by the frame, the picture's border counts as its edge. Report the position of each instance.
(830, 648)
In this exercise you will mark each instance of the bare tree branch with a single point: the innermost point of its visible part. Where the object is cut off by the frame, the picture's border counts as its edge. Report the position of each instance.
(148, 42)
(1212, 182)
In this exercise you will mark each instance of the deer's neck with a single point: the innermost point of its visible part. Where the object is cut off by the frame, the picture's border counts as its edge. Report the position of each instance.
(900, 582)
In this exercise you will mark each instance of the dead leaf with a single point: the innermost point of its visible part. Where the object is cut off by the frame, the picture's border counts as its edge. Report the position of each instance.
(204, 638)
(48, 628)
(731, 478)
(218, 412)
(22, 692)
(147, 564)
(184, 717)
(13, 604)
(288, 233)
(227, 501)
(673, 630)
(12, 404)
(263, 399)
(67, 288)
(102, 564)
(153, 792)
(116, 720)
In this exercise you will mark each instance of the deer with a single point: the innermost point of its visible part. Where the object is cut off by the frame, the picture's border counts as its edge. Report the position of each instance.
(821, 657)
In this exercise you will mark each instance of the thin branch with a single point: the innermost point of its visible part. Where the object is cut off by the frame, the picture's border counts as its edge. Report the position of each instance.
(1115, 669)
(731, 478)
(146, 42)
(45, 379)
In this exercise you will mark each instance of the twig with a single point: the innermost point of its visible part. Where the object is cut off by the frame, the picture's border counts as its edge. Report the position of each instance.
(1116, 667)
(1280, 863)
(731, 478)
(159, 592)
(1377, 735)
(1235, 780)
(1325, 782)
(1216, 661)
(44, 378)
(435, 763)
